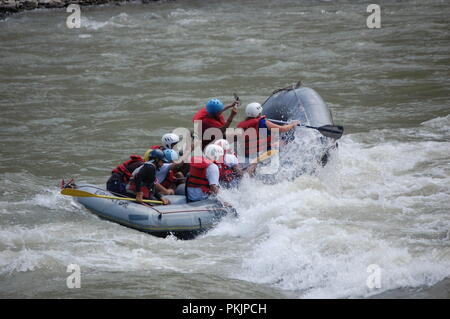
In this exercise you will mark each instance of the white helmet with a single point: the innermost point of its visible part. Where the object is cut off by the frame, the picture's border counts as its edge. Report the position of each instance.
(213, 152)
(253, 109)
(223, 144)
(169, 140)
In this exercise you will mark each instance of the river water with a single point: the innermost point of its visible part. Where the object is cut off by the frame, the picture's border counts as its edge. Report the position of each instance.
(76, 102)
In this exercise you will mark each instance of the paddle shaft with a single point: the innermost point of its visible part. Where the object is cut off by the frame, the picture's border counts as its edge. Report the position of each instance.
(80, 193)
(333, 131)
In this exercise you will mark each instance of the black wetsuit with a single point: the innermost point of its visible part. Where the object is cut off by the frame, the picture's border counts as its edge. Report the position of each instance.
(146, 177)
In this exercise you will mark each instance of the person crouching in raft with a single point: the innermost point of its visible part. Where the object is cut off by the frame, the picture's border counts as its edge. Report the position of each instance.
(211, 117)
(120, 176)
(204, 174)
(230, 170)
(169, 175)
(142, 182)
(255, 146)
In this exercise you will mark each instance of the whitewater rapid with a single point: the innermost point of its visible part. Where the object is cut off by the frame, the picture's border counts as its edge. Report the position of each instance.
(77, 102)
(311, 237)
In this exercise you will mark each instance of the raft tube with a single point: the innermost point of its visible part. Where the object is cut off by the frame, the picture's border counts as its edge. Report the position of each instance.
(181, 219)
(298, 103)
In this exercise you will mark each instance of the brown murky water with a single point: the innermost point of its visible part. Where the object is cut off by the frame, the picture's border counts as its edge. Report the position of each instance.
(76, 102)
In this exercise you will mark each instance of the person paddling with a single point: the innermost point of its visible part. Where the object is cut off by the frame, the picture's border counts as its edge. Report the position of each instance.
(211, 116)
(142, 181)
(230, 170)
(255, 142)
(204, 174)
(169, 175)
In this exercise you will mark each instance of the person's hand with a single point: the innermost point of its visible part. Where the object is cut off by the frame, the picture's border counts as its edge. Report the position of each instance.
(294, 124)
(251, 169)
(234, 111)
(165, 201)
(170, 192)
(140, 197)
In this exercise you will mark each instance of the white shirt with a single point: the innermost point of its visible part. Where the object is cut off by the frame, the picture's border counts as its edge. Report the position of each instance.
(212, 174)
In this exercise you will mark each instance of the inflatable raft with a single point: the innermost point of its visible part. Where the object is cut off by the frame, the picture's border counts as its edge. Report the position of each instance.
(181, 219)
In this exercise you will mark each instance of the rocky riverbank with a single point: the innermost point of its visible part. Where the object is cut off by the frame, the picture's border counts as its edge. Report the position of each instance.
(8, 7)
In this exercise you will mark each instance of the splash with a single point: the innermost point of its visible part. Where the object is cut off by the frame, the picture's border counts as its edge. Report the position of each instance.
(315, 235)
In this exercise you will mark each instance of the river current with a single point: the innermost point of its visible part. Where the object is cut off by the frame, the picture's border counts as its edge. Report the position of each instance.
(74, 103)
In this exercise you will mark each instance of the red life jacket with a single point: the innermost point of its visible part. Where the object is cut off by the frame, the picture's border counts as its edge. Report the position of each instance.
(197, 173)
(147, 193)
(226, 172)
(254, 146)
(208, 122)
(170, 179)
(125, 170)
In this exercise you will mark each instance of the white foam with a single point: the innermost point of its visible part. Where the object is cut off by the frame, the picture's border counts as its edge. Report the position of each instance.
(383, 202)
(316, 235)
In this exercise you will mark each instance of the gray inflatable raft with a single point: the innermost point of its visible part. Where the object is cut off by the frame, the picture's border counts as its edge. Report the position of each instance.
(183, 220)
(298, 103)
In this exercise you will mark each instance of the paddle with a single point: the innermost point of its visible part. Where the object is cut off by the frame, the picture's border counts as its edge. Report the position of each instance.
(80, 193)
(236, 98)
(264, 156)
(333, 131)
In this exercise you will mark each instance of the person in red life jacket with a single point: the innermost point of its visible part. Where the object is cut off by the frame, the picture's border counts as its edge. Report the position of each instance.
(169, 175)
(211, 116)
(142, 181)
(230, 170)
(120, 176)
(204, 174)
(255, 146)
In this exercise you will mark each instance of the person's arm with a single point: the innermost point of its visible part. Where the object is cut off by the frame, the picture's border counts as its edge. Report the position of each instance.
(229, 106)
(176, 166)
(214, 189)
(213, 174)
(229, 120)
(145, 173)
(162, 190)
(159, 197)
(282, 128)
(233, 113)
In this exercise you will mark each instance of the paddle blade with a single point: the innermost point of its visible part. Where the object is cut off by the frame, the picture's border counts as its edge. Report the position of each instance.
(76, 193)
(264, 156)
(333, 131)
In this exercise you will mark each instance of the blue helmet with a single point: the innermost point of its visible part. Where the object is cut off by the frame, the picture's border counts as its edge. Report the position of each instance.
(214, 106)
(171, 155)
(157, 154)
